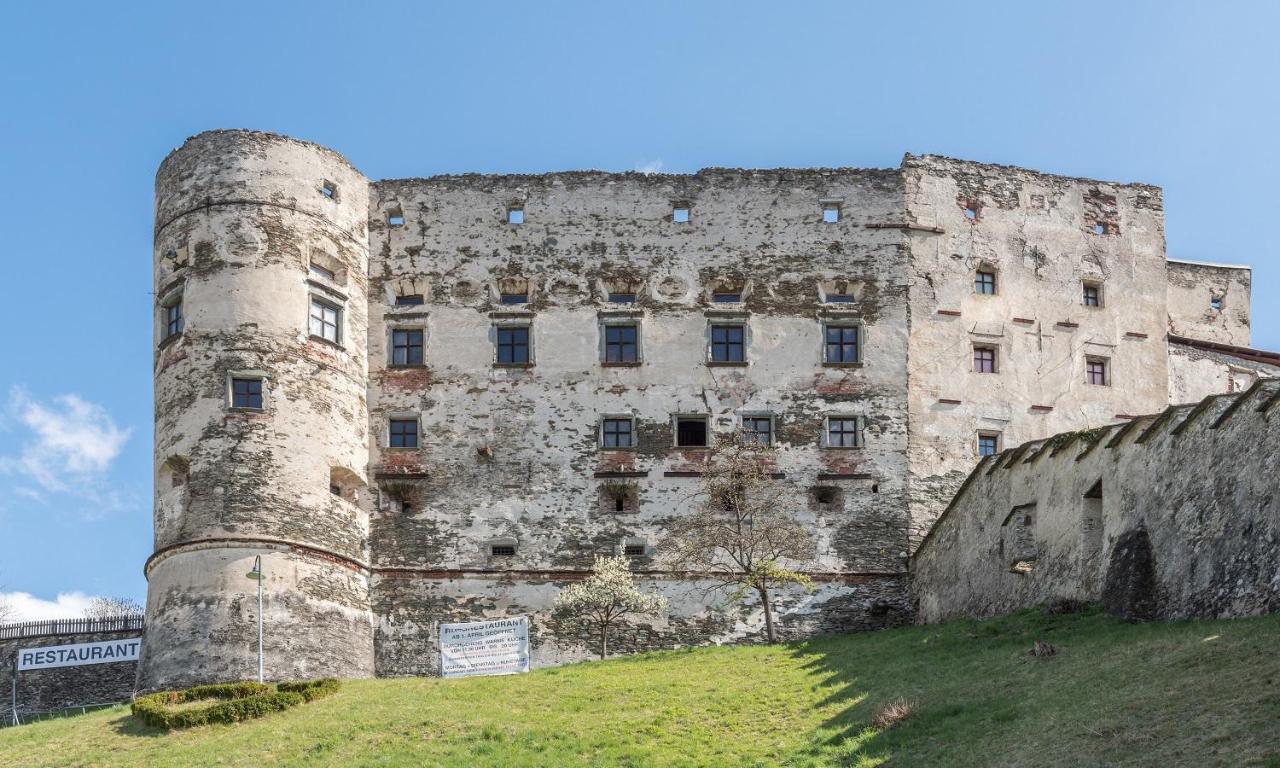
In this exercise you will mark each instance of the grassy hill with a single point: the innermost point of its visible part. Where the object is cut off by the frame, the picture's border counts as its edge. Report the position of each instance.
(1180, 694)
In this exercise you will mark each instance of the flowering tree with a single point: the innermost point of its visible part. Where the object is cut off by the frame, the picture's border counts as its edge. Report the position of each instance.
(605, 596)
(743, 533)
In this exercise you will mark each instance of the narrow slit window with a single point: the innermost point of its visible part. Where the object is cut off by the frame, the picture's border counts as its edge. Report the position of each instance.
(246, 393)
(173, 323)
(325, 319)
(406, 346)
(691, 432)
(842, 344)
(840, 298)
(403, 433)
(617, 433)
(513, 345)
(726, 297)
(984, 359)
(621, 344)
(727, 344)
(843, 432)
(409, 300)
(622, 298)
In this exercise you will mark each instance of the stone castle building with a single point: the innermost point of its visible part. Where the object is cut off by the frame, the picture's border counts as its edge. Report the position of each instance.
(428, 400)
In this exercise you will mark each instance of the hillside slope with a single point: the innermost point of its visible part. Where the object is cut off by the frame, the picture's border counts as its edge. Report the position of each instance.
(1189, 693)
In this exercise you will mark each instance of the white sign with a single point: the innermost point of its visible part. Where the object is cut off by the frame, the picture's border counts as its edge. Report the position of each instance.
(498, 647)
(105, 652)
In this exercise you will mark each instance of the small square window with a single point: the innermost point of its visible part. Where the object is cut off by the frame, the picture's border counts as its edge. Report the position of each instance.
(395, 219)
(409, 300)
(1092, 295)
(726, 297)
(329, 189)
(513, 345)
(842, 342)
(843, 432)
(830, 214)
(402, 433)
(633, 550)
(728, 343)
(1095, 371)
(246, 393)
(757, 430)
(1216, 303)
(502, 550)
(984, 282)
(984, 359)
(335, 490)
(515, 215)
(326, 321)
(988, 443)
(173, 322)
(617, 432)
(622, 298)
(680, 213)
(691, 431)
(406, 346)
(621, 344)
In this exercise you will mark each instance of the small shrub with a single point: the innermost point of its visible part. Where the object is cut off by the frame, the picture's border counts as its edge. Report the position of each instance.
(892, 713)
(232, 702)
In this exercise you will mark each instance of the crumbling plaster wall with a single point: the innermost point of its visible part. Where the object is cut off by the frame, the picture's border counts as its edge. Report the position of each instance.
(1197, 481)
(1195, 372)
(1193, 289)
(240, 217)
(514, 452)
(1038, 233)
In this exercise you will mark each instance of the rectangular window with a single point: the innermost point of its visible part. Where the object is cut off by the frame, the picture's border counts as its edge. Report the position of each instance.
(515, 215)
(395, 219)
(502, 550)
(726, 297)
(622, 298)
(1095, 371)
(1092, 295)
(620, 344)
(318, 271)
(633, 550)
(325, 319)
(757, 429)
(842, 344)
(988, 443)
(691, 431)
(173, 318)
(839, 298)
(246, 393)
(406, 346)
(843, 432)
(727, 344)
(830, 214)
(984, 282)
(514, 298)
(680, 213)
(984, 359)
(409, 300)
(513, 345)
(617, 433)
(328, 189)
(403, 433)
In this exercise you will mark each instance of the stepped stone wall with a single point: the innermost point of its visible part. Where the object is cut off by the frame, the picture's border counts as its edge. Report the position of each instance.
(1172, 515)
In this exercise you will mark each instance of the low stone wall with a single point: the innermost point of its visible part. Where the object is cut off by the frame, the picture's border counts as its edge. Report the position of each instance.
(1173, 515)
(44, 690)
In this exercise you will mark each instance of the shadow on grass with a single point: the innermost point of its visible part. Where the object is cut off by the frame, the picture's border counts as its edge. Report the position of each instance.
(128, 725)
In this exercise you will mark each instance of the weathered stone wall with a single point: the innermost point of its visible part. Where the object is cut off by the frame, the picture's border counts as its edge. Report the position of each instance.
(1198, 369)
(42, 690)
(1209, 302)
(514, 453)
(1172, 515)
(241, 220)
(1044, 237)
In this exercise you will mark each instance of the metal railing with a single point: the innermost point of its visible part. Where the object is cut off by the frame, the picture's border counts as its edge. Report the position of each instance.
(70, 627)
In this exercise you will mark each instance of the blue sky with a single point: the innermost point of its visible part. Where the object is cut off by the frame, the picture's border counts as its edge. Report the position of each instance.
(92, 96)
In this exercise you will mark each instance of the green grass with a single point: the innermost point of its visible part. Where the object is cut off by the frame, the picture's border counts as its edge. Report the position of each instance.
(1178, 694)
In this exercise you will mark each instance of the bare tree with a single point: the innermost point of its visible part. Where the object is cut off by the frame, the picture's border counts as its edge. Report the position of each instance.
(606, 596)
(7, 610)
(110, 607)
(742, 533)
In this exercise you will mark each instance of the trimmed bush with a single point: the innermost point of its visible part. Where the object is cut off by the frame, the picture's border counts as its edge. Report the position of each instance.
(232, 702)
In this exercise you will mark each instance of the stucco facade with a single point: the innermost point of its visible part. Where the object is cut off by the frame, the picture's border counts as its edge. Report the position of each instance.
(444, 365)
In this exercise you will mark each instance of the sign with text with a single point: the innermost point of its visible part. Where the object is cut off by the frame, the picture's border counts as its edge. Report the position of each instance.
(105, 652)
(498, 647)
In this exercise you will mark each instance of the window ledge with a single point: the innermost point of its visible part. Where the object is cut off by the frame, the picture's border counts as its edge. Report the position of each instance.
(842, 447)
(401, 448)
(728, 363)
(170, 339)
(241, 409)
(326, 342)
(513, 365)
(829, 364)
(622, 364)
(404, 366)
(512, 314)
(611, 448)
(691, 448)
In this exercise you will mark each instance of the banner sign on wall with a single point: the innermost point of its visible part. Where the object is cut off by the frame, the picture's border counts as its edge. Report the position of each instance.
(498, 647)
(105, 652)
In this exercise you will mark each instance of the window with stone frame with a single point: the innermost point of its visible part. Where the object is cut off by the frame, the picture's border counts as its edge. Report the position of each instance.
(173, 321)
(988, 443)
(728, 343)
(1096, 371)
(984, 281)
(247, 392)
(621, 343)
(984, 359)
(758, 429)
(843, 432)
(617, 432)
(406, 346)
(402, 432)
(842, 343)
(692, 431)
(410, 300)
(1091, 294)
(513, 345)
(326, 320)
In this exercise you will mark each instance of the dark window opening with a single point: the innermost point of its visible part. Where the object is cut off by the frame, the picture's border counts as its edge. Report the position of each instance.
(988, 444)
(406, 347)
(403, 433)
(409, 300)
(757, 429)
(502, 550)
(1095, 372)
(513, 345)
(620, 504)
(984, 359)
(246, 393)
(620, 345)
(1092, 295)
(514, 298)
(406, 508)
(840, 298)
(984, 282)
(842, 344)
(633, 550)
(622, 298)
(336, 490)
(726, 297)
(826, 495)
(1215, 302)
(691, 432)
(617, 433)
(727, 343)
(173, 319)
(843, 432)
(329, 190)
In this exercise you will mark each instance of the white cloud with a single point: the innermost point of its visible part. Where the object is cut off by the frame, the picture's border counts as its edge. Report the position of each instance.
(28, 607)
(71, 440)
(653, 166)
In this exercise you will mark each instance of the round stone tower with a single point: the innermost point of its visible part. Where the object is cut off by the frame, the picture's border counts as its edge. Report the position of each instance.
(261, 426)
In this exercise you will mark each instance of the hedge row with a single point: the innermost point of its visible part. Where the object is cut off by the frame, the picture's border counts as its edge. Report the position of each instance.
(236, 702)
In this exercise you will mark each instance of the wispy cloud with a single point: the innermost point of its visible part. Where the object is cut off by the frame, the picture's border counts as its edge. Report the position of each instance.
(653, 166)
(27, 607)
(67, 446)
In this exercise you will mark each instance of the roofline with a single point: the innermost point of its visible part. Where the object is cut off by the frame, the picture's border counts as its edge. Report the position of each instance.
(1264, 356)
(1210, 264)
